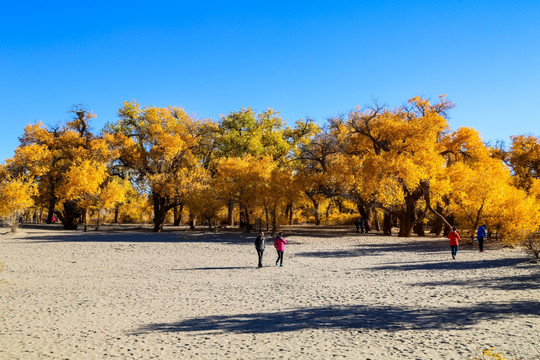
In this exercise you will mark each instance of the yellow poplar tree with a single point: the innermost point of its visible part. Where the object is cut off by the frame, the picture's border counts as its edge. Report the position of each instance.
(50, 154)
(160, 147)
(15, 195)
(480, 190)
(243, 179)
(400, 152)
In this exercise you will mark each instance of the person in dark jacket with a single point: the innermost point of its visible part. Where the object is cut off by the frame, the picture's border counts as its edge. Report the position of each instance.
(259, 245)
(358, 223)
(480, 236)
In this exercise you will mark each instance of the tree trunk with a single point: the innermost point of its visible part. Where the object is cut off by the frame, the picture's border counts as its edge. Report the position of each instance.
(407, 218)
(72, 215)
(447, 229)
(437, 227)
(387, 223)
(230, 213)
(52, 205)
(317, 214)
(376, 219)
(178, 209)
(405, 225)
(248, 220)
(192, 221)
(365, 213)
(316, 210)
(267, 217)
(340, 205)
(291, 213)
(408, 215)
(477, 222)
(419, 228)
(14, 222)
(97, 221)
(116, 213)
(85, 219)
(274, 221)
(427, 197)
(160, 212)
(327, 212)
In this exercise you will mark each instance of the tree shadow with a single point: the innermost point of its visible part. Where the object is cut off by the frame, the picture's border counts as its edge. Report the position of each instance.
(218, 268)
(330, 254)
(348, 317)
(230, 237)
(142, 237)
(455, 265)
(418, 246)
(517, 282)
(321, 231)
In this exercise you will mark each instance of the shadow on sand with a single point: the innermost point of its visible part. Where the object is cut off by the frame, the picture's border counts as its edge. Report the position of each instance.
(423, 246)
(141, 237)
(454, 265)
(517, 282)
(347, 318)
(217, 268)
(144, 233)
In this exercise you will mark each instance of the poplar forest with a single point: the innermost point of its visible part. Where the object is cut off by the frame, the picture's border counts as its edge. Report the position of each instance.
(401, 167)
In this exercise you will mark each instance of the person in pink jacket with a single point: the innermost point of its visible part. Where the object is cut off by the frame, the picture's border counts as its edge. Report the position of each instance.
(279, 244)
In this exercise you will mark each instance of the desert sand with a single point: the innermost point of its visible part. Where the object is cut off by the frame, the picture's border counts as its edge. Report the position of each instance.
(181, 295)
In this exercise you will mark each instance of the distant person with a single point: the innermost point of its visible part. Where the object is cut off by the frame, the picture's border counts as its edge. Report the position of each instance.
(279, 244)
(362, 225)
(358, 223)
(259, 245)
(367, 225)
(480, 236)
(454, 242)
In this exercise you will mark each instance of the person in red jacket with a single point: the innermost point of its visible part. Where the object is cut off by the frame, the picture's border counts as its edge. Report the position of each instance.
(279, 244)
(454, 242)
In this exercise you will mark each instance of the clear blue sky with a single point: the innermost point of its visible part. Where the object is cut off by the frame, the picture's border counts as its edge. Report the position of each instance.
(302, 58)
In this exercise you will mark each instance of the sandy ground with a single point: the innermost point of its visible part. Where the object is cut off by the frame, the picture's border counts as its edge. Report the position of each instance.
(181, 295)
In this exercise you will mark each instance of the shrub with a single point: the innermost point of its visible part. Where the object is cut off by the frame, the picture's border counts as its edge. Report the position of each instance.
(532, 244)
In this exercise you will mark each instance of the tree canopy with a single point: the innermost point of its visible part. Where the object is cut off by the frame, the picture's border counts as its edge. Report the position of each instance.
(403, 165)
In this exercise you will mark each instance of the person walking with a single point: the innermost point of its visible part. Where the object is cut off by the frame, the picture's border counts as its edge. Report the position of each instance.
(367, 225)
(279, 244)
(259, 245)
(480, 236)
(454, 242)
(357, 223)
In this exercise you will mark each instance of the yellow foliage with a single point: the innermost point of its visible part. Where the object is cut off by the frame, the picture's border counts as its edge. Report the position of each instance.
(15, 193)
(524, 158)
(397, 149)
(481, 191)
(82, 181)
(376, 157)
(244, 179)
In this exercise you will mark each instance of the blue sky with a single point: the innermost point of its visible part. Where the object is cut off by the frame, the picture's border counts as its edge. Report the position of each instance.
(302, 58)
